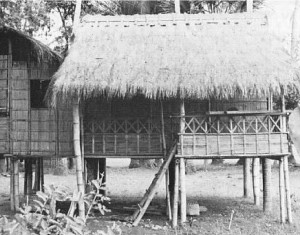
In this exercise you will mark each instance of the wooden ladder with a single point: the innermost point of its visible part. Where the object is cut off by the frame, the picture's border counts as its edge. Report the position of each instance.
(145, 202)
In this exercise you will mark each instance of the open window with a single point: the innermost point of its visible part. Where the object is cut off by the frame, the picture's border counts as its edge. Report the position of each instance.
(38, 89)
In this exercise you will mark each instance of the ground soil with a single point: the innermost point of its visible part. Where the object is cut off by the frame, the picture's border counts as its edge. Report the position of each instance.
(219, 188)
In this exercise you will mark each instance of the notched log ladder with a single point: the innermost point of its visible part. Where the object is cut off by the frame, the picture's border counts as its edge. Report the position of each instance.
(145, 202)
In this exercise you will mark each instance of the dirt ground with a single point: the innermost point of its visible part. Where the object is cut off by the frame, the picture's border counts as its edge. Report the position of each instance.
(220, 189)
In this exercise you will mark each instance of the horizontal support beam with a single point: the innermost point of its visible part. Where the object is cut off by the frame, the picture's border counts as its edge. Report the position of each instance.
(88, 156)
(271, 156)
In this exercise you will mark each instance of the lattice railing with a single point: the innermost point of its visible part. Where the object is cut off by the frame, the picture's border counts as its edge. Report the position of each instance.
(234, 124)
(125, 126)
(123, 137)
(232, 134)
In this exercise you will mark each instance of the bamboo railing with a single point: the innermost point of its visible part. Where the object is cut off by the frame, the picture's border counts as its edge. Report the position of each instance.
(233, 134)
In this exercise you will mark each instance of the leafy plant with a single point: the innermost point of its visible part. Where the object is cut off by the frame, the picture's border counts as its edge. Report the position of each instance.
(44, 217)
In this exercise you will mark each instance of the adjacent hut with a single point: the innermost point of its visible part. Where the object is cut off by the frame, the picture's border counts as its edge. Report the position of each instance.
(205, 81)
(29, 129)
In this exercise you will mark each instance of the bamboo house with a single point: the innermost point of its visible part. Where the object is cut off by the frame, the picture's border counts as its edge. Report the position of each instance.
(29, 129)
(203, 81)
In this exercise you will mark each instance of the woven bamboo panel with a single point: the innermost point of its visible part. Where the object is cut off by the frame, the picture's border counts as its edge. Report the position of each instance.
(225, 145)
(122, 137)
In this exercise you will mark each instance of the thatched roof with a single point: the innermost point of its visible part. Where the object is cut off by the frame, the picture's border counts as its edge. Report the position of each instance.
(166, 55)
(29, 45)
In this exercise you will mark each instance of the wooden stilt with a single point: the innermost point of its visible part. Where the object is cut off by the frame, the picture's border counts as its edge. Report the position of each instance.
(182, 192)
(247, 177)
(145, 202)
(42, 174)
(281, 192)
(16, 185)
(37, 175)
(267, 178)
(29, 177)
(77, 153)
(164, 148)
(287, 189)
(12, 195)
(171, 180)
(168, 200)
(176, 194)
(256, 179)
(25, 177)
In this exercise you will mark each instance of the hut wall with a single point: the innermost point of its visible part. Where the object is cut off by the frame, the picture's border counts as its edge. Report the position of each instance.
(37, 130)
(122, 127)
(4, 120)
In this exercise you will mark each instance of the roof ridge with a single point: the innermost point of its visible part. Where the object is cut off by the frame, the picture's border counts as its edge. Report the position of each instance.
(248, 18)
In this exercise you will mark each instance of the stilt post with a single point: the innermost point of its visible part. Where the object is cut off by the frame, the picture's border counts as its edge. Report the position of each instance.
(281, 192)
(176, 195)
(12, 197)
(16, 185)
(77, 152)
(247, 177)
(182, 168)
(164, 148)
(267, 178)
(182, 192)
(287, 189)
(256, 180)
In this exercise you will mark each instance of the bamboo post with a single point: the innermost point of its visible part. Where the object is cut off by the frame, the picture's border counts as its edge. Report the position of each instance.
(287, 189)
(164, 147)
(16, 184)
(182, 192)
(247, 177)
(176, 194)
(77, 152)
(182, 168)
(267, 178)
(281, 192)
(25, 176)
(255, 174)
(177, 6)
(29, 175)
(42, 174)
(12, 198)
(250, 6)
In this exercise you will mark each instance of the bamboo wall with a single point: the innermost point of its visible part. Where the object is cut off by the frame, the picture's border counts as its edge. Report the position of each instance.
(4, 72)
(25, 130)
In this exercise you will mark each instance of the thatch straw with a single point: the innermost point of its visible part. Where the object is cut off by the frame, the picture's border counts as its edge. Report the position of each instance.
(38, 50)
(199, 56)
